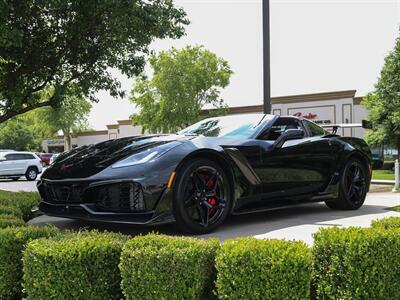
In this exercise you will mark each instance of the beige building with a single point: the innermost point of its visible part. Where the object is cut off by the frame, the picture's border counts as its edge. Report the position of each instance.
(322, 108)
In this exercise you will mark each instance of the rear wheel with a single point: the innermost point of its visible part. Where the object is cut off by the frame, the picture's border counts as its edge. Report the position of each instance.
(31, 174)
(352, 186)
(201, 196)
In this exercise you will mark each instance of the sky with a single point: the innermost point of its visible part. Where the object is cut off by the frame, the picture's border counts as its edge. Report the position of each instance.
(316, 46)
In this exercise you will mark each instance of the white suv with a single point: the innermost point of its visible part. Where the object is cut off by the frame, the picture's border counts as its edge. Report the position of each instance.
(15, 164)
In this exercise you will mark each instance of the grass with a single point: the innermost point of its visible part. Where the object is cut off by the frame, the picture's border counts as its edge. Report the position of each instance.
(383, 174)
(396, 208)
(23, 201)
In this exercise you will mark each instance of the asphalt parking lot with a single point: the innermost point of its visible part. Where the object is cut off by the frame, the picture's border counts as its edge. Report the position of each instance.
(298, 223)
(17, 186)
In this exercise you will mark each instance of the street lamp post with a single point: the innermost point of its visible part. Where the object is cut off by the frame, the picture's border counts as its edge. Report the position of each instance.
(266, 58)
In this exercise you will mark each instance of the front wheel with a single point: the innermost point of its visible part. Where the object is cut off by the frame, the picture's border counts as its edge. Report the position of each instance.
(353, 186)
(202, 198)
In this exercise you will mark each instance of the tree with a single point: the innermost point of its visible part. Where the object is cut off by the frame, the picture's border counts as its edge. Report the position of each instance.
(183, 82)
(17, 135)
(56, 43)
(70, 117)
(383, 103)
(25, 132)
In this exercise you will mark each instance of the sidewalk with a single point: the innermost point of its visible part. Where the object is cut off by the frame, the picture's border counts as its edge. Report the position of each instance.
(382, 182)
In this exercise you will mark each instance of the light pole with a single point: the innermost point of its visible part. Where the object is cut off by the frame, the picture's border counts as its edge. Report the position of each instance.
(266, 58)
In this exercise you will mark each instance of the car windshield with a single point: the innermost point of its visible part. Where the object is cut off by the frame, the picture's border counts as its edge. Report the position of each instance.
(233, 126)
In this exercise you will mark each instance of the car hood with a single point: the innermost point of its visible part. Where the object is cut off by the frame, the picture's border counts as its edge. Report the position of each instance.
(89, 160)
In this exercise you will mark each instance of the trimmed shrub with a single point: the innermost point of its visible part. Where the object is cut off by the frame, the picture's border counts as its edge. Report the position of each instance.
(24, 201)
(248, 268)
(75, 266)
(11, 211)
(10, 221)
(162, 267)
(386, 223)
(13, 241)
(357, 263)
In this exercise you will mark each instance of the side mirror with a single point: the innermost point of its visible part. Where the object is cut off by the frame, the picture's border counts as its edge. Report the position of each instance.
(290, 134)
(2, 159)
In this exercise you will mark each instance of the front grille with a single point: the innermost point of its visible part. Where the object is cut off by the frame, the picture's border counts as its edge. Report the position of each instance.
(121, 197)
(67, 193)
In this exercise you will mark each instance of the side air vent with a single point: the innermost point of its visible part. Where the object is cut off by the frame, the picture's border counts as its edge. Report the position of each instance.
(122, 197)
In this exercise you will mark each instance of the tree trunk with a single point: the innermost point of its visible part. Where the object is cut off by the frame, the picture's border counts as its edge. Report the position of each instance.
(67, 140)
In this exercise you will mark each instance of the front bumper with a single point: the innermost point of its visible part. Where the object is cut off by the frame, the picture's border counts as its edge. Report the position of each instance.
(113, 201)
(88, 212)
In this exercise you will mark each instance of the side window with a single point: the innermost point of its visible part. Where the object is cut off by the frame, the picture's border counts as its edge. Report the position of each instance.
(28, 156)
(10, 157)
(19, 156)
(315, 129)
(280, 126)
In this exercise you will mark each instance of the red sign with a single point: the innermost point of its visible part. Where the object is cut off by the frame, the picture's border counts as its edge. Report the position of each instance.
(309, 116)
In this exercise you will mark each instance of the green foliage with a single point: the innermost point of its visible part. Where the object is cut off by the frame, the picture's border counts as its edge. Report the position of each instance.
(25, 132)
(71, 116)
(162, 267)
(24, 201)
(11, 211)
(75, 266)
(10, 221)
(13, 242)
(383, 103)
(387, 223)
(357, 263)
(57, 43)
(16, 134)
(263, 269)
(183, 82)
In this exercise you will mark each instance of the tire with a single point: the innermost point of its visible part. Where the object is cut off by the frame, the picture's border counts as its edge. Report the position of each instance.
(202, 196)
(352, 187)
(31, 174)
(14, 178)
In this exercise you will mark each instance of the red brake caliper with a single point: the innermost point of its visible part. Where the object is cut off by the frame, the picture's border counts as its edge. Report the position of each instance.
(211, 201)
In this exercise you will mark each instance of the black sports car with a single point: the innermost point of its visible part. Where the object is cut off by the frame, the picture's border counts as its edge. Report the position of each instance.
(219, 166)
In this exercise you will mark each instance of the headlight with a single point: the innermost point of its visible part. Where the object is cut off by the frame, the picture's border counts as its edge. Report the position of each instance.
(146, 155)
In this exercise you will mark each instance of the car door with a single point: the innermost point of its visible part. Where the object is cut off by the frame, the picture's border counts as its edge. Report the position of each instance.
(297, 168)
(11, 165)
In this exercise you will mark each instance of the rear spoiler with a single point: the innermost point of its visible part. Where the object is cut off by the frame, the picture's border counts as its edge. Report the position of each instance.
(364, 124)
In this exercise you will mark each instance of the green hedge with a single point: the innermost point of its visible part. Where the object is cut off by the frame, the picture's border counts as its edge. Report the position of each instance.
(11, 210)
(13, 241)
(263, 269)
(163, 267)
(76, 266)
(387, 223)
(10, 221)
(24, 201)
(357, 263)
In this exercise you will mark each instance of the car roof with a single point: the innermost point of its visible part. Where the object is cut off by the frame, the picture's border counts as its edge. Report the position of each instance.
(15, 152)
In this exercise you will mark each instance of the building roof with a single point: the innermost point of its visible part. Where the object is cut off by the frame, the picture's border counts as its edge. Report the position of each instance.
(347, 94)
(292, 99)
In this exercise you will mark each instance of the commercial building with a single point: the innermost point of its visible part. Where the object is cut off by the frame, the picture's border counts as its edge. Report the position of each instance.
(322, 108)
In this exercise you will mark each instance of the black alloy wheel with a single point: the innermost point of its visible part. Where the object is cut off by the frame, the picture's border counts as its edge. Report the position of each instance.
(353, 186)
(202, 199)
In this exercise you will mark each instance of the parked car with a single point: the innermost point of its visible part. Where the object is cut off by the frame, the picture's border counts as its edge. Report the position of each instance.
(15, 164)
(198, 177)
(54, 157)
(45, 158)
